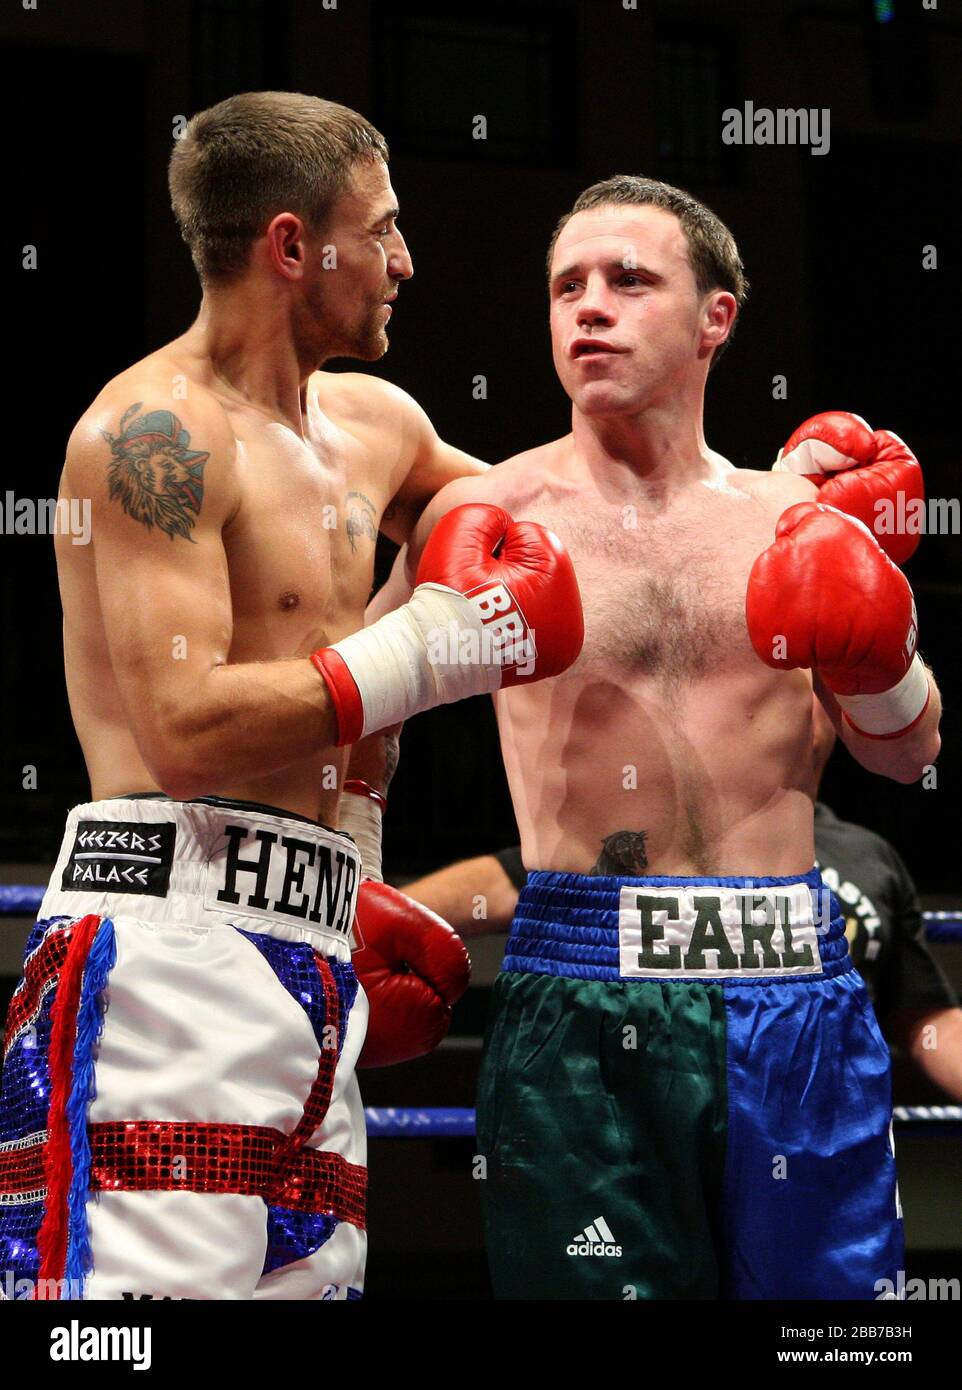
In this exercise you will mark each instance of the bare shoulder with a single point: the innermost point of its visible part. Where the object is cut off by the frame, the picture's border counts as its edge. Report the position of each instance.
(497, 486)
(160, 399)
(540, 459)
(774, 491)
(523, 476)
(359, 398)
(475, 487)
(392, 430)
(158, 443)
(509, 483)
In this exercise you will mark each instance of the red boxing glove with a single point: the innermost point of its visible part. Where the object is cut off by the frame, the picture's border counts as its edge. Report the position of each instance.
(413, 968)
(825, 595)
(871, 475)
(496, 603)
(520, 578)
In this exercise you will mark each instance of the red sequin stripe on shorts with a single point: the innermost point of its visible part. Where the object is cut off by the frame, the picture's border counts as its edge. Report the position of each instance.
(182, 1156)
(253, 1160)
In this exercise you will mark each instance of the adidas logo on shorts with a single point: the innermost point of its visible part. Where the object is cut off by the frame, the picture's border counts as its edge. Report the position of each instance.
(595, 1239)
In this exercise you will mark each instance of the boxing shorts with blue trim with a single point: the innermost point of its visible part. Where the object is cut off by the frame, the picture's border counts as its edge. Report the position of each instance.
(685, 1095)
(179, 1115)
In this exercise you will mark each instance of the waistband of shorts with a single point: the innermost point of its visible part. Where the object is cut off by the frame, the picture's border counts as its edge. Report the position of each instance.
(229, 803)
(616, 928)
(207, 863)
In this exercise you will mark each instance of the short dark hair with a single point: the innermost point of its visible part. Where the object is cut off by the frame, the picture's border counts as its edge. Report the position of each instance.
(241, 162)
(715, 260)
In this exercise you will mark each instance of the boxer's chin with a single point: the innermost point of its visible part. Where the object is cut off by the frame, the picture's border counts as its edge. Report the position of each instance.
(604, 398)
(372, 344)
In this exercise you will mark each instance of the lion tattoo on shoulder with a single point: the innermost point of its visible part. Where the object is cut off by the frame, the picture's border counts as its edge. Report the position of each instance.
(153, 473)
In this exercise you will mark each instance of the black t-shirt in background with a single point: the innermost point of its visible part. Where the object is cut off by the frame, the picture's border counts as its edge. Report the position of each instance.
(883, 917)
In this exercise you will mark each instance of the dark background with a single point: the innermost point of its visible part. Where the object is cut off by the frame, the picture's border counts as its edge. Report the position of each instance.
(572, 92)
(840, 304)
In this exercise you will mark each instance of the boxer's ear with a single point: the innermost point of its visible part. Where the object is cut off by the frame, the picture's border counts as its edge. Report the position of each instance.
(718, 313)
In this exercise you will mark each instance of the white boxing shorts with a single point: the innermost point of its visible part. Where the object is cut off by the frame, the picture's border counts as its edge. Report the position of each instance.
(179, 1115)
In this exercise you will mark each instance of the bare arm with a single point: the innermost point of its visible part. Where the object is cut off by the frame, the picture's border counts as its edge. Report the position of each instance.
(904, 759)
(425, 466)
(374, 759)
(361, 806)
(476, 896)
(396, 590)
(424, 462)
(401, 581)
(161, 500)
(934, 1042)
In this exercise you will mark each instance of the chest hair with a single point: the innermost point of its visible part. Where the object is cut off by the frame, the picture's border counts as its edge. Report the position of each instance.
(664, 597)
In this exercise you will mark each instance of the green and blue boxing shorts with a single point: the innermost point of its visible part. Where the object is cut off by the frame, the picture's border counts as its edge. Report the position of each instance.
(685, 1095)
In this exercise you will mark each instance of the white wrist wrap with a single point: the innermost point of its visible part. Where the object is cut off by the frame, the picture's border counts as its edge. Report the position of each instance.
(441, 646)
(361, 817)
(889, 713)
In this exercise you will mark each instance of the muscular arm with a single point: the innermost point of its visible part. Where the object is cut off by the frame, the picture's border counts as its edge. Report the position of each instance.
(426, 465)
(373, 755)
(372, 764)
(163, 492)
(375, 758)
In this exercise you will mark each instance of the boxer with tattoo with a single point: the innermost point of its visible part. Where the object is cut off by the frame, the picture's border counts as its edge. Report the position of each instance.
(179, 1115)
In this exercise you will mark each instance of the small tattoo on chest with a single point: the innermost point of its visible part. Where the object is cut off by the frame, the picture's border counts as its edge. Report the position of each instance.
(361, 514)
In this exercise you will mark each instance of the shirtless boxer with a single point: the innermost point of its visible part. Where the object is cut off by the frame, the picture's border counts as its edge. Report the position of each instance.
(684, 1093)
(211, 1143)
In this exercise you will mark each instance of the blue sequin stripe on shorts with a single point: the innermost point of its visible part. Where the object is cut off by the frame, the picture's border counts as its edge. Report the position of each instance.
(567, 924)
